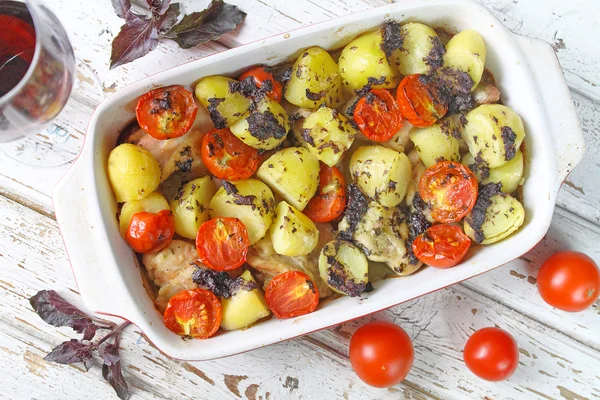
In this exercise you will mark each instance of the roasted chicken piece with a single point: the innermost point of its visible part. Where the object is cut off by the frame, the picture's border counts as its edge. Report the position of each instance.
(171, 270)
(263, 258)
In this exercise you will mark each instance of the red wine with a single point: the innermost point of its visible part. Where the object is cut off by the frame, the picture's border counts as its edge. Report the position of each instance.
(17, 44)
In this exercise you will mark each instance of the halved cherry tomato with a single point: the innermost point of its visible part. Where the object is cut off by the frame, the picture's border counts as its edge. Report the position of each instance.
(378, 116)
(441, 246)
(381, 353)
(450, 189)
(150, 232)
(291, 294)
(261, 75)
(329, 201)
(227, 157)
(166, 112)
(569, 280)
(194, 313)
(419, 102)
(491, 354)
(222, 243)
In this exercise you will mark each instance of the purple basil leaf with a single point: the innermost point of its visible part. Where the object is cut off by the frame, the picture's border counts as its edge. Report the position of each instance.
(122, 8)
(89, 332)
(203, 26)
(111, 370)
(141, 9)
(71, 352)
(56, 311)
(135, 40)
(159, 6)
(169, 18)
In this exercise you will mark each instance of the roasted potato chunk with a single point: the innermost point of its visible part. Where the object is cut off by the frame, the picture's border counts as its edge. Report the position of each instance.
(133, 172)
(250, 201)
(381, 173)
(435, 143)
(293, 173)
(494, 134)
(363, 62)
(510, 175)
(224, 105)
(245, 307)
(327, 135)
(466, 52)
(293, 233)
(421, 50)
(190, 206)
(503, 217)
(314, 80)
(263, 128)
(152, 203)
(344, 268)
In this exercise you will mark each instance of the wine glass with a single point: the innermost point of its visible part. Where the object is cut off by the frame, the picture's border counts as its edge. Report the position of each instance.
(37, 79)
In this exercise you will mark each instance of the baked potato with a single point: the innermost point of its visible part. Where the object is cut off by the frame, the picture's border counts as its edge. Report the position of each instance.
(466, 52)
(293, 173)
(293, 233)
(190, 206)
(421, 50)
(245, 307)
(250, 201)
(494, 134)
(510, 175)
(327, 135)
(224, 105)
(363, 62)
(382, 174)
(344, 268)
(503, 216)
(265, 127)
(314, 80)
(434, 144)
(133, 172)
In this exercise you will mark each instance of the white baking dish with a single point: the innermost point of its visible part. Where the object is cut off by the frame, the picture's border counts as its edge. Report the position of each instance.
(531, 82)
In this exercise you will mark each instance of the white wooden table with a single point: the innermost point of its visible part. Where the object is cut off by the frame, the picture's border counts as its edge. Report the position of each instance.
(560, 352)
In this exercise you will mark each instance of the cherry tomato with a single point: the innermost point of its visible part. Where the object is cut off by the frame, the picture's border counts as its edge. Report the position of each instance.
(166, 112)
(227, 157)
(491, 354)
(261, 75)
(222, 243)
(291, 294)
(420, 102)
(381, 354)
(450, 189)
(329, 201)
(378, 116)
(150, 232)
(569, 280)
(441, 246)
(195, 313)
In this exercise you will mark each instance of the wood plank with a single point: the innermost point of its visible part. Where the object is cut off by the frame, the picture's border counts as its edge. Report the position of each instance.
(33, 258)
(580, 192)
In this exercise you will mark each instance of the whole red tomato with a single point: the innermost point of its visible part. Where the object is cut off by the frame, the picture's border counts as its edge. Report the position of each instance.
(569, 280)
(491, 354)
(381, 353)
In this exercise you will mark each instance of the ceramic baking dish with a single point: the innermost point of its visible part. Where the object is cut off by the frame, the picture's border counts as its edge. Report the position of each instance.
(526, 70)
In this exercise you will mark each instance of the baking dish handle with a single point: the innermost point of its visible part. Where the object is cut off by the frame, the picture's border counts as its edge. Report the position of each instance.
(84, 244)
(564, 125)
